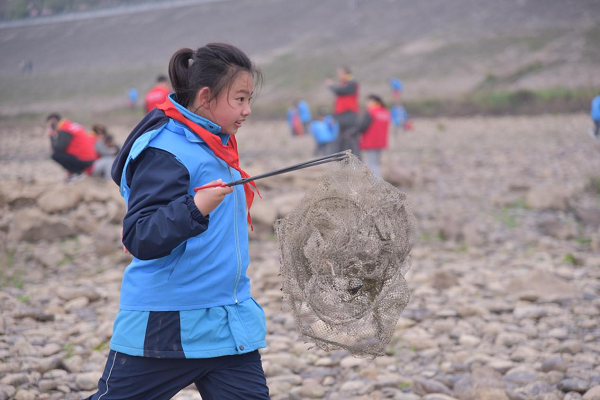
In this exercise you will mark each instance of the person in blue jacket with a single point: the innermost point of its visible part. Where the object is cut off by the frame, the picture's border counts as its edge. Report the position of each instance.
(132, 97)
(294, 121)
(304, 112)
(186, 314)
(595, 114)
(325, 131)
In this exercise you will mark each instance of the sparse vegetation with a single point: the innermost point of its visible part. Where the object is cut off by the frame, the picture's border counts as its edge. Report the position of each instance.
(570, 259)
(69, 349)
(504, 102)
(507, 218)
(9, 275)
(583, 240)
(102, 346)
(66, 259)
(521, 203)
(24, 298)
(594, 184)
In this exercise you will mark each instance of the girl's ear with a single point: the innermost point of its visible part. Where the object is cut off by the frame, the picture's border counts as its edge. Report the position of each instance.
(203, 97)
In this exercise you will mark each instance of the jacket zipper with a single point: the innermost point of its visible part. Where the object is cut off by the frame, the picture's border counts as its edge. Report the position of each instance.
(237, 240)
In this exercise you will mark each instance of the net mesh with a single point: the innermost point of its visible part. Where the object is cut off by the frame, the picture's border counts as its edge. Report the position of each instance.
(344, 253)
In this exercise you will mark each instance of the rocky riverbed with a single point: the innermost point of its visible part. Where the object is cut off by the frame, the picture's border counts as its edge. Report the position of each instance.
(505, 279)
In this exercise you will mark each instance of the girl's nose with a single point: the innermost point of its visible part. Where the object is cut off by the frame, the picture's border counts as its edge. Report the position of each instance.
(247, 111)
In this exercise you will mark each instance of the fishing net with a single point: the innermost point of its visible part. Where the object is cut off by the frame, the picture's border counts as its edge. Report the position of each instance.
(344, 253)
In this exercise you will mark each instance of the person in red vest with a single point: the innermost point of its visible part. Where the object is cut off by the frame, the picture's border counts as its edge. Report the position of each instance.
(346, 109)
(72, 147)
(158, 94)
(374, 127)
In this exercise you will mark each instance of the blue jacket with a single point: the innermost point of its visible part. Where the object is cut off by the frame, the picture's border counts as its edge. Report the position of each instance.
(186, 293)
(399, 115)
(325, 131)
(304, 111)
(182, 260)
(291, 113)
(595, 111)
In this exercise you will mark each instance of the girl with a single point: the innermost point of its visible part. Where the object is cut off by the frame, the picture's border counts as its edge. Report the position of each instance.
(186, 314)
(374, 128)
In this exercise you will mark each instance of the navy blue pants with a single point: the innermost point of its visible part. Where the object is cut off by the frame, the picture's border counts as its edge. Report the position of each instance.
(239, 377)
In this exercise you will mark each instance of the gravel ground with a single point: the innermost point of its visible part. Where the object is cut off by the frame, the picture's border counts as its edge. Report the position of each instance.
(505, 280)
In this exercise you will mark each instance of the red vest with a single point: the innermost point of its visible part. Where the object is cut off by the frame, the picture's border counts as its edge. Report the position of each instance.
(157, 95)
(347, 102)
(82, 145)
(376, 135)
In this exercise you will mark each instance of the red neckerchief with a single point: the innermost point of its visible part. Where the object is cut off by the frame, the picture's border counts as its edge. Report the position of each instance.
(227, 153)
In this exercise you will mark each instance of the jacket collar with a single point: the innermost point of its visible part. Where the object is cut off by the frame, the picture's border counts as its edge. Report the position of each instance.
(203, 122)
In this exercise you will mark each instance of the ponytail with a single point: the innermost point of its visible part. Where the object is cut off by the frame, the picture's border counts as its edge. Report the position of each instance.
(179, 67)
(215, 66)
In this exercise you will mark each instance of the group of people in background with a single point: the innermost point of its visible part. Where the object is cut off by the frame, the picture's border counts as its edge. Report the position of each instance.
(82, 153)
(346, 128)
(155, 96)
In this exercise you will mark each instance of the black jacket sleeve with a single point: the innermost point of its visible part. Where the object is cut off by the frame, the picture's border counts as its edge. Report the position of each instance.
(364, 123)
(161, 213)
(61, 141)
(348, 88)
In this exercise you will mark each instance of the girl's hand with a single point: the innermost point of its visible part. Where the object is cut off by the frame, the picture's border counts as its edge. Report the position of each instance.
(208, 199)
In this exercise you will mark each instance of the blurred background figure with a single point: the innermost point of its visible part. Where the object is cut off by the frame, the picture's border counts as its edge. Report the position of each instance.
(72, 147)
(27, 66)
(595, 114)
(345, 108)
(400, 118)
(397, 88)
(325, 131)
(107, 151)
(158, 94)
(304, 113)
(132, 98)
(295, 121)
(373, 129)
(398, 110)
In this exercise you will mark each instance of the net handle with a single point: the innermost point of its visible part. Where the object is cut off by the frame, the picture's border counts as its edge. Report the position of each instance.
(342, 155)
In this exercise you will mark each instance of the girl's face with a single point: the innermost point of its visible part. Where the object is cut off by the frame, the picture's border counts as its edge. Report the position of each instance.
(231, 107)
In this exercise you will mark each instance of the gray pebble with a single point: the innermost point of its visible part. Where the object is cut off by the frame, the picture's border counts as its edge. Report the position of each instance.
(556, 363)
(572, 396)
(574, 385)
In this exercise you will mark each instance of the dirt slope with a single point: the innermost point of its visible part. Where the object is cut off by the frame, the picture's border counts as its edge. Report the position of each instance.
(438, 48)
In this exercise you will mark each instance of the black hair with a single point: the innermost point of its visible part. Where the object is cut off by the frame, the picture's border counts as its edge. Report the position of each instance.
(100, 129)
(161, 78)
(215, 66)
(378, 99)
(323, 111)
(55, 116)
